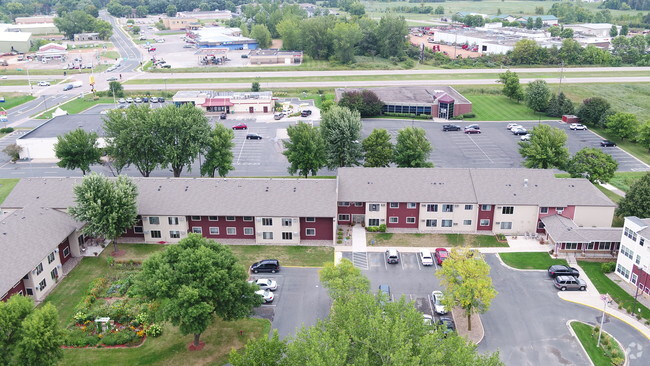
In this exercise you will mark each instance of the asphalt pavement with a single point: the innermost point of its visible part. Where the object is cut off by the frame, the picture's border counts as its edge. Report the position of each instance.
(130, 53)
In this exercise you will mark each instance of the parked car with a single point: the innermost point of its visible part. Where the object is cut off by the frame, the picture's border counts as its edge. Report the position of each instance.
(427, 319)
(392, 256)
(305, 113)
(151, 49)
(43, 83)
(129, 100)
(241, 126)
(67, 87)
(142, 38)
(138, 100)
(441, 255)
(278, 116)
(447, 323)
(265, 284)
(267, 295)
(562, 270)
(223, 115)
(526, 137)
(385, 289)
(519, 131)
(244, 56)
(3, 77)
(253, 136)
(122, 100)
(473, 127)
(450, 128)
(188, 45)
(513, 125)
(425, 258)
(266, 265)
(472, 131)
(607, 143)
(577, 126)
(564, 283)
(161, 99)
(112, 78)
(166, 66)
(153, 100)
(436, 300)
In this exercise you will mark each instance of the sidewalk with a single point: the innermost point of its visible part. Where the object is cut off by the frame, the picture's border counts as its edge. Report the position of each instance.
(613, 189)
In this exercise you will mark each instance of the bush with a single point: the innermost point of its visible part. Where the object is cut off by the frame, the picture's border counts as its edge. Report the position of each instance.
(608, 267)
(408, 115)
(382, 228)
(469, 115)
(80, 317)
(78, 338)
(7, 130)
(121, 337)
(154, 330)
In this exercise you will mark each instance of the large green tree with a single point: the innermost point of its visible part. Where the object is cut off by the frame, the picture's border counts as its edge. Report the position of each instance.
(305, 149)
(537, 95)
(345, 37)
(392, 31)
(108, 207)
(412, 149)
(344, 279)
(623, 125)
(262, 35)
(378, 151)
(511, 86)
(593, 111)
(29, 335)
(77, 149)
(467, 282)
(637, 200)
(195, 280)
(218, 156)
(546, 148)
(289, 30)
(643, 137)
(341, 130)
(366, 102)
(593, 164)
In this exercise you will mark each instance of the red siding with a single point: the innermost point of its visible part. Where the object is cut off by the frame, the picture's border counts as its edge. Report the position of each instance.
(568, 212)
(485, 215)
(643, 277)
(323, 226)
(130, 232)
(462, 109)
(222, 224)
(62, 246)
(20, 286)
(402, 213)
(351, 210)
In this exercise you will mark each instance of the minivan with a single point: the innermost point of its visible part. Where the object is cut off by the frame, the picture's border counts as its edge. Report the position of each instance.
(392, 256)
(266, 265)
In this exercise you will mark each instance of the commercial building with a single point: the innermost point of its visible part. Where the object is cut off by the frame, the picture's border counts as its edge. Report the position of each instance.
(592, 29)
(86, 37)
(222, 37)
(181, 23)
(206, 15)
(274, 56)
(582, 242)
(15, 42)
(33, 28)
(437, 101)
(229, 102)
(633, 263)
(492, 40)
(52, 51)
(35, 19)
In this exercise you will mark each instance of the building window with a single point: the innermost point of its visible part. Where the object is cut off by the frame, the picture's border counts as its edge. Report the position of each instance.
(590, 246)
(310, 232)
(344, 204)
(469, 207)
(506, 225)
(213, 218)
(627, 252)
(486, 207)
(638, 260)
(484, 222)
(287, 236)
(446, 223)
(508, 210)
(174, 234)
(268, 235)
(42, 285)
(248, 218)
(630, 234)
(214, 230)
(39, 269)
(467, 222)
(634, 278)
(559, 209)
(66, 252)
(267, 221)
(623, 271)
(231, 231)
(432, 207)
(173, 220)
(154, 220)
(248, 231)
(432, 223)
(570, 246)
(394, 205)
(196, 218)
(197, 230)
(373, 207)
(410, 220)
(358, 204)
(605, 246)
(54, 274)
(155, 234)
(50, 258)
(393, 220)
(411, 205)
(230, 218)
(310, 219)
(447, 208)
(543, 210)
(373, 222)
(344, 217)
(138, 230)
(641, 241)
(286, 222)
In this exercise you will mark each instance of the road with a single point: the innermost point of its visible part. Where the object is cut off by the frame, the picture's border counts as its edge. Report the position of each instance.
(131, 56)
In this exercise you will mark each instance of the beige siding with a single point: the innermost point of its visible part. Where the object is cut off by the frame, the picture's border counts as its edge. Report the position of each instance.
(243, 105)
(278, 226)
(35, 279)
(458, 217)
(380, 214)
(523, 219)
(588, 216)
(165, 228)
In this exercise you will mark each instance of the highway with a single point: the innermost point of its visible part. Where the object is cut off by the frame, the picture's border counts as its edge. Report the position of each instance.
(131, 56)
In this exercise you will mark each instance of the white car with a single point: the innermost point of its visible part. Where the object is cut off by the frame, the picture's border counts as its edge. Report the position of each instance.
(43, 83)
(267, 295)
(426, 258)
(436, 299)
(3, 77)
(513, 125)
(265, 284)
(577, 126)
(526, 137)
(112, 78)
(428, 319)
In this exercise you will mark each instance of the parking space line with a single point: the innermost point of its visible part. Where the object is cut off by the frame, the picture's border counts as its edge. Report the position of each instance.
(418, 262)
(402, 262)
(385, 265)
(430, 306)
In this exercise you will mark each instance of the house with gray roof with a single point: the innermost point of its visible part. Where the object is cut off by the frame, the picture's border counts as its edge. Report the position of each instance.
(567, 237)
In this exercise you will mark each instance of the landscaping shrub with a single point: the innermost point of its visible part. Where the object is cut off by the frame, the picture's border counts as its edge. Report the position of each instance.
(608, 267)
(413, 116)
(79, 338)
(121, 337)
(154, 330)
(7, 130)
(469, 115)
(382, 228)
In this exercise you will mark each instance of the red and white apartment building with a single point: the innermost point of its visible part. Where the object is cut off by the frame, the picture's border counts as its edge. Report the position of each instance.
(633, 263)
(40, 236)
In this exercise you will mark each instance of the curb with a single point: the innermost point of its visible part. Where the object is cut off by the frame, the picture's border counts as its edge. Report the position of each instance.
(516, 269)
(568, 323)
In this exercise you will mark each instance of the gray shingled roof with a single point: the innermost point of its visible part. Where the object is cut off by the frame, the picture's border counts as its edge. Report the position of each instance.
(564, 230)
(26, 237)
(197, 196)
(644, 223)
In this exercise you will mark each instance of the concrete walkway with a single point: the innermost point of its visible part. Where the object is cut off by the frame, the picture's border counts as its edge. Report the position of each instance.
(358, 239)
(613, 189)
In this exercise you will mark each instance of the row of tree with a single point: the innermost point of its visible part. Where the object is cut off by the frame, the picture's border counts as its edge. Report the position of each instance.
(79, 21)
(126, 8)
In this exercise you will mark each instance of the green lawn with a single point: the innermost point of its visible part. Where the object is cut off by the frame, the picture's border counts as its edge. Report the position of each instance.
(432, 240)
(606, 286)
(111, 54)
(306, 256)
(611, 195)
(13, 100)
(623, 180)
(589, 341)
(6, 186)
(77, 105)
(540, 260)
(15, 82)
(499, 108)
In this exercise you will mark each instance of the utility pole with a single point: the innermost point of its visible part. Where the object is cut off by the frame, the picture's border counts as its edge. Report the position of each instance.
(605, 299)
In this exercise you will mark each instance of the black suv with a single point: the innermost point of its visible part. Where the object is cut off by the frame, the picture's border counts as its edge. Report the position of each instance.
(450, 128)
(266, 265)
(305, 113)
(561, 270)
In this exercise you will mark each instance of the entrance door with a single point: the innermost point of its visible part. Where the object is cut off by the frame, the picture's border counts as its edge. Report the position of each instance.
(266, 109)
(358, 219)
(251, 109)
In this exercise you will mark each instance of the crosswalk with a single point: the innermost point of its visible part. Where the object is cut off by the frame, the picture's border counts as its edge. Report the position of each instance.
(360, 260)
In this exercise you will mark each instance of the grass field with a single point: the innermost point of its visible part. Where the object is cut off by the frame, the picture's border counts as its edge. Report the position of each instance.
(111, 54)
(623, 180)
(303, 256)
(77, 105)
(589, 341)
(611, 195)
(432, 240)
(541, 260)
(6, 186)
(499, 108)
(13, 100)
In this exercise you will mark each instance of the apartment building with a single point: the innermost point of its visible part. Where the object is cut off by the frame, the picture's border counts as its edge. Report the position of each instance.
(633, 263)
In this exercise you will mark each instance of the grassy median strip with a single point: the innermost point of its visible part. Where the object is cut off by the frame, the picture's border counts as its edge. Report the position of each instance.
(432, 240)
(6, 186)
(609, 353)
(77, 105)
(14, 100)
(537, 260)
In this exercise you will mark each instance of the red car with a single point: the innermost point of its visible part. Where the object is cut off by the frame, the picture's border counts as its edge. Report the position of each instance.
(241, 126)
(151, 49)
(441, 255)
(472, 130)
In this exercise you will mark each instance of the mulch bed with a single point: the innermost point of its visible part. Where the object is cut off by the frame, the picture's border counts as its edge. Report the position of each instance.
(118, 253)
(192, 347)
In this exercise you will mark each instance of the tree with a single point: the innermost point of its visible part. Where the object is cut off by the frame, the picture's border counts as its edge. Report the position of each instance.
(440, 10)
(195, 280)
(305, 149)
(13, 151)
(467, 283)
(261, 34)
(74, 22)
(341, 131)
(644, 135)
(613, 31)
(30, 336)
(357, 9)
(592, 164)
(593, 110)
(108, 207)
(537, 95)
(565, 104)
(538, 23)
(553, 109)
(412, 148)
(511, 86)
(104, 28)
(343, 280)
(366, 102)
(530, 23)
(260, 351)
(289, 31)
(637, 200)
(377, 148)
(141, 11)
(255, 86)
(623, 125)
(345, 37)
(77, 149)
(566, 33)
(218, 157)
(116, 89)
(546, 148)
(171, 10)
(624, 30)
(393, 31)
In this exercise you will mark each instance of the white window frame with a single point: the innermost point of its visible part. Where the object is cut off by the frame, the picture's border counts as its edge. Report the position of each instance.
(543, 210)
(469, 207)
(431, 221)
(393, 220)
(447, 208)
(231, 218)
(66, 252)
(39, 269)
(287, 222)
(154, 220)
(267, 221)
(213, 218)
(267, 235)
(156, 237)
(197, 230)
(249, 231)
(374, 207)
(138, 230)
(394, 205)
(344, 204)
(467, 222)
(42, 285)
(175, 234)
(310, 219)
(484, 222)
(410, 220)
(173, 220)
(50, 258)
(231, 230)
(310, 230)
(508, 210)
(213, 231)
(287, 235)
(411, 205)
(486, 208)
(247, 218)
(344, 217)
(446, 221)
(358, 204)
(370, 221)
(503, 225)
(195, 218)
